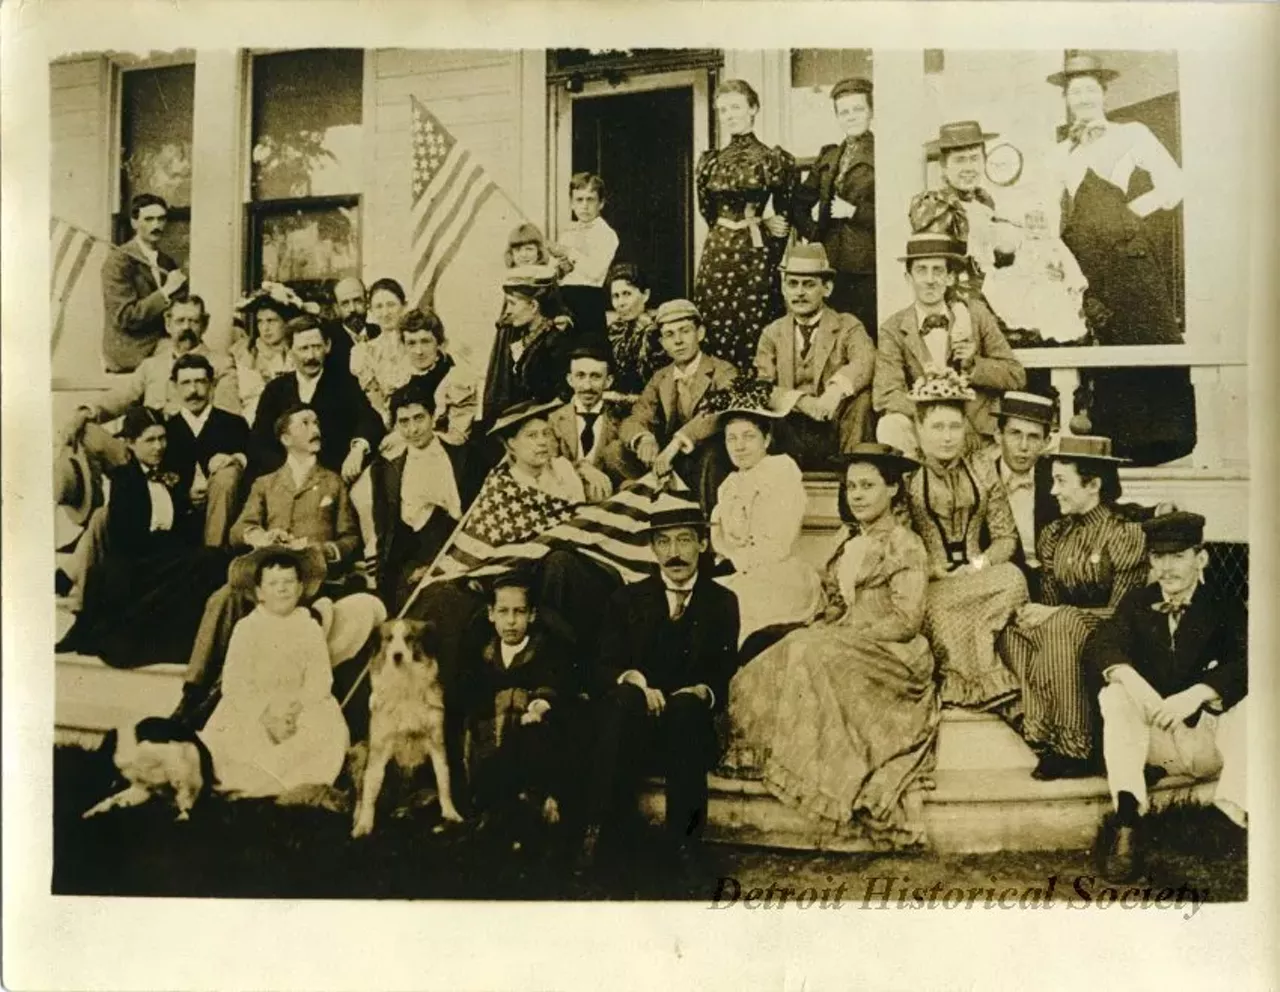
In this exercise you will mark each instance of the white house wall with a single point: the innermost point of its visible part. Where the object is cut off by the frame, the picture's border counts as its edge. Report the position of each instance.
(81, 140)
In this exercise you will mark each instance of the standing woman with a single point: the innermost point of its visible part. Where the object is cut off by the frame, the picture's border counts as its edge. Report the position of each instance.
(840, 719)
(1090, 557)
(836, 203)
(381, 365)
(1149, 413)
(757, 519)
(957, 502)
(634, 336)
(735, 289)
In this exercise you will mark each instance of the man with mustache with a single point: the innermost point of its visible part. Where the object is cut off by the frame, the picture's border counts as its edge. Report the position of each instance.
(206, 449)
(668, 648)
(351, 307)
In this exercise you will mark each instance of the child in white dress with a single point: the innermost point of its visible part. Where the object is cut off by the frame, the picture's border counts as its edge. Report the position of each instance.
(1043, 290)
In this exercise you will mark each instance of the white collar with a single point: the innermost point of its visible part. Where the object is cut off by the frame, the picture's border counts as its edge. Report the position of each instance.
(941, 310)
(309, 382)
(194, 421)
(597, 409)
(150, 254)
(690, 370)
(429, 451)
(812, 322)
(300, 467)
(672, 586)
(508, 652)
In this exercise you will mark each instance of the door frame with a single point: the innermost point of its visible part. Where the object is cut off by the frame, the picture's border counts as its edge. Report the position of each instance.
(560, 148)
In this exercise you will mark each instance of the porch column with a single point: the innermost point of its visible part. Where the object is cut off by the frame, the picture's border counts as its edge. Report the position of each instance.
(218, 137)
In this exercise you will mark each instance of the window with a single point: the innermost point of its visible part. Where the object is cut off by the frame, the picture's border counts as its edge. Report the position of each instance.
(305, 169)
(814, 71)
(156, 107)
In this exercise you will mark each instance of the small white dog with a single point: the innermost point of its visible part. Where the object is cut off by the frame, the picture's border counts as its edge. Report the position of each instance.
(406, 717)
(157, 756)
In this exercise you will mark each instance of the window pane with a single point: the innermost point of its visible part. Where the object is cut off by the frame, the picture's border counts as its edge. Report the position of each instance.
(310, 249)
(176, 240)
(306, 123)
(814, 71)
(155, 140)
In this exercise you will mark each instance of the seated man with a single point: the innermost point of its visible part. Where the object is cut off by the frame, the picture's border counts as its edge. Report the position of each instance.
(825, 356)
(940, 331)
(1175, 661)
(207, 450)
(1023, 422)
(665, 430)
(416, 505)
(586, 428)
(522, 702)
(301, 504)
(668, 648)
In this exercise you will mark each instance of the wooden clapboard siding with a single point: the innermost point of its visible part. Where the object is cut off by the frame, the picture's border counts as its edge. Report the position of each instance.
(80, 143)
(477, 95)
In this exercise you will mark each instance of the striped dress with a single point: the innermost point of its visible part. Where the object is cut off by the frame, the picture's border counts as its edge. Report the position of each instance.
(1088, 563)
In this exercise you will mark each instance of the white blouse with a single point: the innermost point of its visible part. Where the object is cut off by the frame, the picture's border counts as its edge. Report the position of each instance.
(161, 506)
(1115, 155)
(759, 513)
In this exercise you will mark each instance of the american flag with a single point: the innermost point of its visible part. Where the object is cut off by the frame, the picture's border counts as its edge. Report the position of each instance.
(459, 224)
(511, 523)
(75, 295)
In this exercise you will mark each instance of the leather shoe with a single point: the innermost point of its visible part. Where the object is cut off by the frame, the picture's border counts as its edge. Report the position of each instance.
(1122, 862)
(1054, 766)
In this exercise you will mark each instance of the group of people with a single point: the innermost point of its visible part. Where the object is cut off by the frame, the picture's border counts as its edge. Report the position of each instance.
(266, 507)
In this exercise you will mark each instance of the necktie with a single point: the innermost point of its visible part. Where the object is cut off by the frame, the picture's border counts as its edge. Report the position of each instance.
(588, 436)
(684, 394)
(806, 337)
(1086, 132)
(680, 599)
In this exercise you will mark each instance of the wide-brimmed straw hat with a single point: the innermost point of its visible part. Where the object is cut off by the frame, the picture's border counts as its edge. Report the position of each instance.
(513, 416)
(881, 455)
(685, 516)
(241, 574)
(74, 484)
(1078, 63)
(757, 399)
(959, 134)
(1084, 448)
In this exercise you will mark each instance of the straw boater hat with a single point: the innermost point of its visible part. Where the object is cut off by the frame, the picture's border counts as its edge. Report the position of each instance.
(881, 455)
(1027, 406)
(1084, 448)
(1078, 63)
(807, 260)
(513, 416)
(1170, 533)
(677, 310)
(74, 488)
(931, 245)
(948, 386)
(685, 516)
(959, 134)
(310, 561)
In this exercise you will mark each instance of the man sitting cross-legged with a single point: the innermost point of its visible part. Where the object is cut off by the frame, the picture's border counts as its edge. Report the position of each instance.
(300, 504)
(1175, 661)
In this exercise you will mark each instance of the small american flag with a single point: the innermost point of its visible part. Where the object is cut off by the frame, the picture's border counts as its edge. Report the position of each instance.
(76, 298)
(511, 523)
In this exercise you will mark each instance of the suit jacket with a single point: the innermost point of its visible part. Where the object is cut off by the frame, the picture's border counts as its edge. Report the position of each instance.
(840, 346)
(901, 357)
(850, 242)
(657, 411)
(319, 510)
(543, 670)
(344, 411)
(564, 425)
(129, 532)
(386, 475)
(224, 434)
(151, 384)
(1211, 645)
(702, 647)
(133, 306)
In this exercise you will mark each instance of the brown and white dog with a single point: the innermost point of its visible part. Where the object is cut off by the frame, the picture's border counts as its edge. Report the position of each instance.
(406, 716)
(157, 757)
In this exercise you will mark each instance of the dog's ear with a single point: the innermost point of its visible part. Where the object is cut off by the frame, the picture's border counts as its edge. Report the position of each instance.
(430, 639)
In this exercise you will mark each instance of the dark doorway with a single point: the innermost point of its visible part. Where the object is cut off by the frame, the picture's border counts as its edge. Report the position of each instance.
(641, 144)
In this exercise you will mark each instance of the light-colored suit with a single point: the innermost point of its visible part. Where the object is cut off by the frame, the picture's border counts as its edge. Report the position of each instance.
(319, 510)
(657, 412)
(564, 425)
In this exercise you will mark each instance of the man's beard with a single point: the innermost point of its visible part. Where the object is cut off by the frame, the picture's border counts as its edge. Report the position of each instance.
(354, 322)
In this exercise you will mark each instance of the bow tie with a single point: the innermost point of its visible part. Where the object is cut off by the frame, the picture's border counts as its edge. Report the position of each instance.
(977, 193)
(1086, 132)
(1173, 609)
(1016, 483)
(935, 320)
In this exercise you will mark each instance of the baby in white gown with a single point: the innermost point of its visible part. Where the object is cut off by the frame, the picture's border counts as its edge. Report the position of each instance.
(1043, 290)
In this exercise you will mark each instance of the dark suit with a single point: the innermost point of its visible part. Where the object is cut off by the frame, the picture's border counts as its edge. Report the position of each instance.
(402, 550)
(133, 306)
(223, 434)
(344, 411)
(699, 648)
(850, 242)
(341, 343)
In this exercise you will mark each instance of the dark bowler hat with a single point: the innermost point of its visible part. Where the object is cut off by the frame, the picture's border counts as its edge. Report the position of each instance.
(1027, 406)
(1085, 448)
(677, 310)
(597, 349)
(309, 561)
(959, 134)
(807, 260)
(685, 516)
(883, 456)
(513, 416)
(931, 245)
(1174, 532)
(1078, 63)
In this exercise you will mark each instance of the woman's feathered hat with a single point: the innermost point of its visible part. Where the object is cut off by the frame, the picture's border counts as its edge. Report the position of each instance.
(757, 399)
(277, 297)
(941, 386)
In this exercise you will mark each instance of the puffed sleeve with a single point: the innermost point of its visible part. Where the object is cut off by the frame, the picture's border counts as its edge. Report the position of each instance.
(785, 176)
(1128, 550)
(777, 516)
(702, 180)
(1046, 551)
(1001, 526)
(1166, 178)
(904, 616)
(934, 212)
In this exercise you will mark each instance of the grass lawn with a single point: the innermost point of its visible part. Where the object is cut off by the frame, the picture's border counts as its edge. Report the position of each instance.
(255, 849)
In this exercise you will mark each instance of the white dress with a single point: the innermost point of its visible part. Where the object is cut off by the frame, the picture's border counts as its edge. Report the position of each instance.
(280, 661)
(755, 524)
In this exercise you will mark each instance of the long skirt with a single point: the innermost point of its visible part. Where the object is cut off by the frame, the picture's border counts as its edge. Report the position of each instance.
(1059, 712)
(784, 592)
(734, 293)
(842, 727)
(963, 615)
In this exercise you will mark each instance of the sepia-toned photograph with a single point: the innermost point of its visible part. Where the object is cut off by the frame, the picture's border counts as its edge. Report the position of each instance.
(567, 474)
